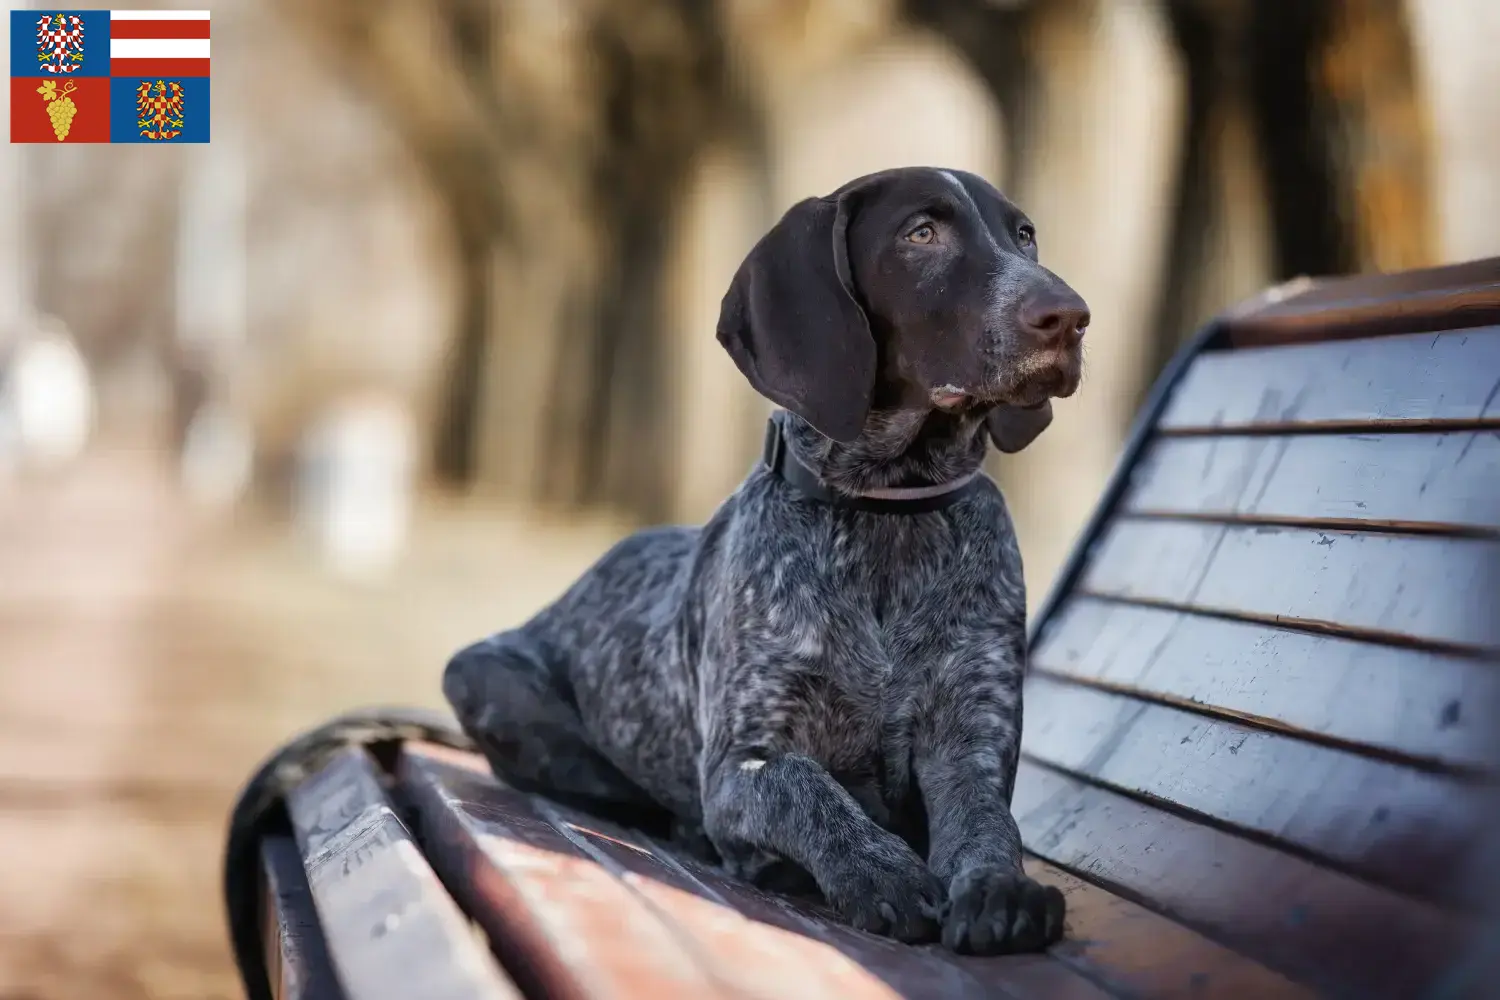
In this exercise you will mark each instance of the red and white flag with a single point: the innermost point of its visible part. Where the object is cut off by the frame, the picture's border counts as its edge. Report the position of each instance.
(158, 43)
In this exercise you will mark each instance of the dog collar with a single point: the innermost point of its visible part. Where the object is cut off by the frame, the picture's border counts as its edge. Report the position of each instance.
(888, 500)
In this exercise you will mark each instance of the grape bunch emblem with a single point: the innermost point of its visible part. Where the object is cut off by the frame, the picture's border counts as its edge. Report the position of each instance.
(60, 107)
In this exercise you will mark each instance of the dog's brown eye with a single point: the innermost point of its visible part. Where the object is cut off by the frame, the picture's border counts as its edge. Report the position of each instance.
(922, 234)
(1026, 236)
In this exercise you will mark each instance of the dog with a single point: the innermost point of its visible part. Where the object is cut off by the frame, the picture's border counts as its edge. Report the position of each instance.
(824, 681)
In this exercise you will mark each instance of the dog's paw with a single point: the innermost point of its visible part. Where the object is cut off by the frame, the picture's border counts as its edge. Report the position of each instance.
(898, 897)
(993, 911)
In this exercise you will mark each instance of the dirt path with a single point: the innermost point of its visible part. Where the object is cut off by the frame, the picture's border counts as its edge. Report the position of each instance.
(148, 660)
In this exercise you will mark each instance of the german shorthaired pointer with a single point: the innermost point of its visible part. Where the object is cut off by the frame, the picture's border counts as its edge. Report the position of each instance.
(825, 679)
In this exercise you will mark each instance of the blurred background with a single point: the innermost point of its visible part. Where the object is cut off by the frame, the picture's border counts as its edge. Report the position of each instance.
(286, 418)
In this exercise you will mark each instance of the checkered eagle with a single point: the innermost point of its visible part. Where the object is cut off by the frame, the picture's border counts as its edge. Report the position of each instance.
(59, 42)
(159, 109)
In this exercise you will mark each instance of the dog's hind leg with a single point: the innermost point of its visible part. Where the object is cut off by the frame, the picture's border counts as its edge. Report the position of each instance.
(517, 705)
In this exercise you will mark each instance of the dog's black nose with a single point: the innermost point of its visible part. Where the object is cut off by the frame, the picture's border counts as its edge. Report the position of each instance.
(1055, 316)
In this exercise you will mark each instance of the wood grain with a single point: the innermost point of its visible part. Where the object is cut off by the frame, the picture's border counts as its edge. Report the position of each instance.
(1392, 825)
(1432, 481)
(391, 928)
(297, 964)
(593, 933)
(750, 943)
(1399, 588)
(1452, 376)
(1425, 299)
(1141, 953)
(1431, 708)
(1332, 932)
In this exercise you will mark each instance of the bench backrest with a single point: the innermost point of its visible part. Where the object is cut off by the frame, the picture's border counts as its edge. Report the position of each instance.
(1264, 691)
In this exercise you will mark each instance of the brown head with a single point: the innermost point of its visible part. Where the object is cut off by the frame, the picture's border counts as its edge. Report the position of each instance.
(916, 288)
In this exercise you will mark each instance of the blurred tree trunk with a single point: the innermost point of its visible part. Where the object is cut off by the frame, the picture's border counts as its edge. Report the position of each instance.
(1325, 92)
(1218, 248)
(426, 66)
(996, 41)
(1365, 69)
(661, 79)
(559, 135)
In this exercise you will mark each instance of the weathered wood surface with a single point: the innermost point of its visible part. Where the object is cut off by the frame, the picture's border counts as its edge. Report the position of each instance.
(1139, 952)
(1258, 755)
(1400, 703)
(1403, 482)
(536, 874)
(1266, 704)
(635, 920)
(1334, 933)
(1451, 297)
(579, 909)
(297, 962)
(1387, 823)
(1425, 592)
(1390, 382)
(391, 928)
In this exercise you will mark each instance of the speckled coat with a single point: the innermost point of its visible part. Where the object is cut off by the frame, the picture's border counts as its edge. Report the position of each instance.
(803, 689)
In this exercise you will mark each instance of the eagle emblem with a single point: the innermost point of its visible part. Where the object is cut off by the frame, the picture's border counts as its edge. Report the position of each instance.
(159, 109)
(59, 42)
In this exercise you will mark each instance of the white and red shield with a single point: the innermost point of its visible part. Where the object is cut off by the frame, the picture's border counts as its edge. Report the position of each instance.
(59, 42)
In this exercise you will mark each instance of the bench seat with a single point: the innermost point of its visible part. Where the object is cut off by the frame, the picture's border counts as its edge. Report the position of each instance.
(1259, 755)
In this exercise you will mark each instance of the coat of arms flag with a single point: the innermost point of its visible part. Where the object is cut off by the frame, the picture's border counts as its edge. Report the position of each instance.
(109, 76)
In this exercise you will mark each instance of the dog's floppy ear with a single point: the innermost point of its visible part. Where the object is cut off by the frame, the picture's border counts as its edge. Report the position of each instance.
(1014, 427)
(793, 325)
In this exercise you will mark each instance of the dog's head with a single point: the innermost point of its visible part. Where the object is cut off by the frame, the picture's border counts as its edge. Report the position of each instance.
(916, 288)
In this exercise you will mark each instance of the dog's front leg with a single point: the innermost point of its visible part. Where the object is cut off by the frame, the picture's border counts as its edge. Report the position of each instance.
(966, 754)
(789, 806)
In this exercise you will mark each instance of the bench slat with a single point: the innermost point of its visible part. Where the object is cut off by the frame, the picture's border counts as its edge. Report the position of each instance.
(1334, 933)
(1412, 704)
(1428, 481)
(1142, 953)
(1397, 827)
(1425, 299)
(296, 959)
(912, 972)
(1112, 941)
(391, 928)
(581, 933)
(754, 943)
(1411, 589)
(1360, 383)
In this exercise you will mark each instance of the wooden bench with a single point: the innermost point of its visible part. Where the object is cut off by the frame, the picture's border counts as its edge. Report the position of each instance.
(1257, 753)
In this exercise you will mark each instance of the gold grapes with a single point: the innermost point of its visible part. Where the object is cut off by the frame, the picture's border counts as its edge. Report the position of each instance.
(60, 107)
